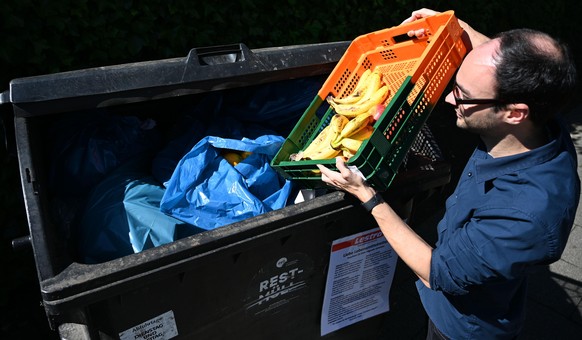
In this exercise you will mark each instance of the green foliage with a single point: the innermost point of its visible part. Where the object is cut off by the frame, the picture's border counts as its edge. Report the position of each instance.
(41, 36)
(52, 36)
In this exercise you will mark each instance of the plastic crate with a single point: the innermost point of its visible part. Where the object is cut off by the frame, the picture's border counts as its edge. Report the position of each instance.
(417, 71)
(424, 150)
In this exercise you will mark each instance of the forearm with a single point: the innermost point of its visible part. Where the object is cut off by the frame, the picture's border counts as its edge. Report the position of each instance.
(471, 37)
(409, 246)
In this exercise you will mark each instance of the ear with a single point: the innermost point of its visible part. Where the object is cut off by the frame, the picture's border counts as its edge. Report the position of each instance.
(517, 113)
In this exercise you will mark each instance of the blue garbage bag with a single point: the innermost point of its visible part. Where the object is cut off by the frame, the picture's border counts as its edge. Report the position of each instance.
(187, 135)
(193, 130)
(123, 216)
(205, 190)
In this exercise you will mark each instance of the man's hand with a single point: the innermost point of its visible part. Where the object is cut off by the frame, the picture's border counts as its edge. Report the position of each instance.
(416, 15)
(346, 180)
(471, 37)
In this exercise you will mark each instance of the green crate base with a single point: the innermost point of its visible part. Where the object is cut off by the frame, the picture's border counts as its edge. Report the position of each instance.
(377, 160)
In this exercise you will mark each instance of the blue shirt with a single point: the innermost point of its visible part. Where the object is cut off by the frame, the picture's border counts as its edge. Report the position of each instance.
(505, 215)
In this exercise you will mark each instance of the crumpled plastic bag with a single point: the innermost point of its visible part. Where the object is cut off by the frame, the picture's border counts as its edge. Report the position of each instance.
(188, 132)
(191, 132)
(205, 190)
(123, 216)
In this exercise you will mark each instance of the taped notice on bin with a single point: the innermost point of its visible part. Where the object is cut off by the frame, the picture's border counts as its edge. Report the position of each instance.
(359, 278)
(161, 327)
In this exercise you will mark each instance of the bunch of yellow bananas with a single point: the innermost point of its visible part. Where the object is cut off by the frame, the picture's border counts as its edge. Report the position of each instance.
(369, 92)
(320, 147)
(353, 122)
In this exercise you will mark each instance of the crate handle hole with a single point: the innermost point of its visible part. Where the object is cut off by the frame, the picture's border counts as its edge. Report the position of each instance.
(403, 37)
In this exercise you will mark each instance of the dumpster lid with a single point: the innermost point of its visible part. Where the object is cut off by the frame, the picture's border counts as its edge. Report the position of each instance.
(202, 70)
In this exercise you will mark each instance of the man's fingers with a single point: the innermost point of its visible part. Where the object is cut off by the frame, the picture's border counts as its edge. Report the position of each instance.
(324, 172)
(414, 16)
(416, 33)
(420, 14)
(340, 163)
(327, 175)
(341, 166)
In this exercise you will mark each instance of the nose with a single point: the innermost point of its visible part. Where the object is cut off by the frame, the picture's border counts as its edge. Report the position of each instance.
(450, 99)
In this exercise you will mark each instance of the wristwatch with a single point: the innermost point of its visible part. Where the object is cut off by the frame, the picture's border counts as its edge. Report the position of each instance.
(374, 201)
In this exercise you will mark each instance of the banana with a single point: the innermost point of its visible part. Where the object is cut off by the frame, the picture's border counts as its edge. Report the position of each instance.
(364, 133)
(320, 147)
(351, 144)
(316, 144)
(327, 152)
(374, 83)
(347, 154)
(351, 123)
(354, 125)
(363, 106)
(366, 89)
(358, 92)
(337, 124)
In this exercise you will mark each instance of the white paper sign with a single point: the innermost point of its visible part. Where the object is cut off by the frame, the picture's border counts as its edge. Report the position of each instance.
(359, 277)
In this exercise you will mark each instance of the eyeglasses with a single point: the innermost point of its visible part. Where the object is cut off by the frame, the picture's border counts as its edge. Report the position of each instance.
(461, 101)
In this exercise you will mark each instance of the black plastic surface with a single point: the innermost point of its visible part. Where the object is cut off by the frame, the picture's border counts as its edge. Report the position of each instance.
(203, 70)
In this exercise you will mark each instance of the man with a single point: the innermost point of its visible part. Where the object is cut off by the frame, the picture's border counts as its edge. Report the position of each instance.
(515, 202)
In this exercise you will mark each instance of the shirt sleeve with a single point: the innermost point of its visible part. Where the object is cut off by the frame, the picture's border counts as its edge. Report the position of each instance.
(495, 244)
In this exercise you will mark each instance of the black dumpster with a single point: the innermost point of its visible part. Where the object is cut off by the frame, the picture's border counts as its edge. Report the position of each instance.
(207, 285)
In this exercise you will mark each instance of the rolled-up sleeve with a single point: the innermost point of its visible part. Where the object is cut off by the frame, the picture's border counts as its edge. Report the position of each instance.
(495, 244)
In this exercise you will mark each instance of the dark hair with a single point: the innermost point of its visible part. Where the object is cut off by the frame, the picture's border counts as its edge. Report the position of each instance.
(535, 69)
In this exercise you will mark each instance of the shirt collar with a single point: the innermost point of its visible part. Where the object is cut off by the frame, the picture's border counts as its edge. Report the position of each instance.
(487, 167)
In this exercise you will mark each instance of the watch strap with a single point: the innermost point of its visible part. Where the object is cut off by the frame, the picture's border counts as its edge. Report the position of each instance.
(372, 202)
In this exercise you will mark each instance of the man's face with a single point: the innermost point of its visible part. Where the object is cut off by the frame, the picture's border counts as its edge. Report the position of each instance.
(476, 79)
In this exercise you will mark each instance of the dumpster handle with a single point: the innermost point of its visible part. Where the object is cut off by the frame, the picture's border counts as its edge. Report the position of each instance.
(22, 243)
(216, 55)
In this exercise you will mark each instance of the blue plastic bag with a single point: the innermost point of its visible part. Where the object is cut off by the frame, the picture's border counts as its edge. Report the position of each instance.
(187, 135)
(123, 216)
(205, 190)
